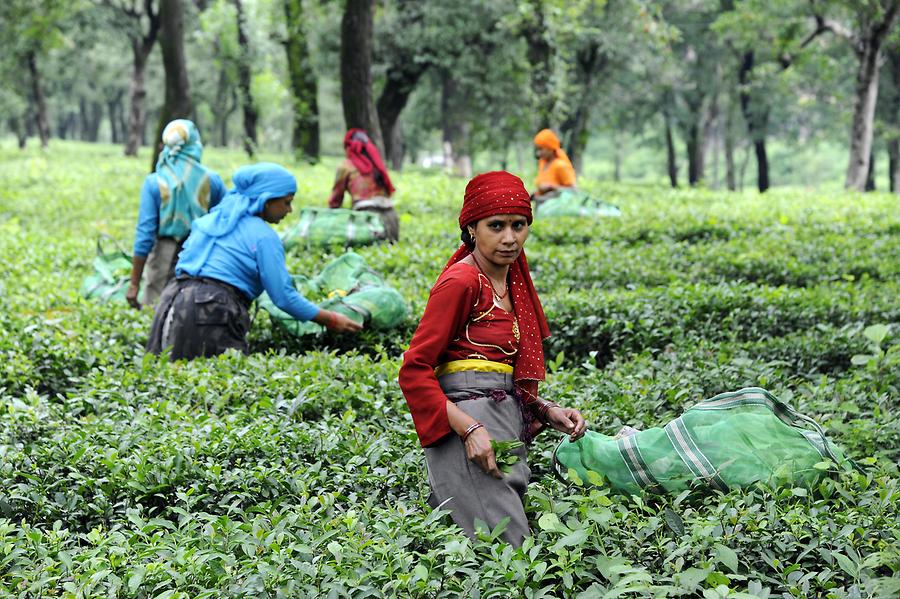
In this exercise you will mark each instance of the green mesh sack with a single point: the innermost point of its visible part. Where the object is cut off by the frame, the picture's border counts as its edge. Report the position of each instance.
(571, 202)
(326, 227)
(346, 285)
(730, 441)
(111, 276)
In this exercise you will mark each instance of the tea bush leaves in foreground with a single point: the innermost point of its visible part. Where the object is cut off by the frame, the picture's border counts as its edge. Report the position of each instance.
(295, 471)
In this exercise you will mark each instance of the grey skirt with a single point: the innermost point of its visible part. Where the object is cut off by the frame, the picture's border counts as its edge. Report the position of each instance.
(459, 484)
(198, 317)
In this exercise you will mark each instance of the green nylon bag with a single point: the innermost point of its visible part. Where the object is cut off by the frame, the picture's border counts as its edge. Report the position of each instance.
(111, 276)
(326, 227)
(346, 285)
(571, 202)
(729, 441)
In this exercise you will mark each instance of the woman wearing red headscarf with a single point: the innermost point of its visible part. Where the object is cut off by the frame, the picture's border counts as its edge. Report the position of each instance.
(555, 170)
(364, 175)
(471, 372)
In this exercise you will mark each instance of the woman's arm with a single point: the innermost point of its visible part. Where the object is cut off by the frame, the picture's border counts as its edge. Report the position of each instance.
(278, 284)
(449, 305)
(341, 180)
(144, 236)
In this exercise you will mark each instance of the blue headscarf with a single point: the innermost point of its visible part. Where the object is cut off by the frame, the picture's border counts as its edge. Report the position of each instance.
(254, 185)
(183, 181)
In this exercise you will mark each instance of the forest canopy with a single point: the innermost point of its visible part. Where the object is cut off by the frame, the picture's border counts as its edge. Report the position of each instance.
(722, 93)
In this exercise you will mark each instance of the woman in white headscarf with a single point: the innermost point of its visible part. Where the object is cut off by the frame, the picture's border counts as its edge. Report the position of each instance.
(178, 192)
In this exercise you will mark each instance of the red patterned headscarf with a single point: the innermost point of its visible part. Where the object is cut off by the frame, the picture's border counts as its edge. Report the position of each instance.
(500, 192)
(365, 157)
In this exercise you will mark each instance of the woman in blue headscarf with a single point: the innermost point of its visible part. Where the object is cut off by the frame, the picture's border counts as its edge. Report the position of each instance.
(178, 192)
(230, 258)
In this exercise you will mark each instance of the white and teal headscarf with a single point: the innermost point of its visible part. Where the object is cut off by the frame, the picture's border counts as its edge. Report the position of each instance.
(183, 181)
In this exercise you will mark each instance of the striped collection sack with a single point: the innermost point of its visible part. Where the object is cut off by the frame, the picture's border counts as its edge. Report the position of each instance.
(571, 202)
(112, 273)
(346, 285)
(730, 441)
(337, 226)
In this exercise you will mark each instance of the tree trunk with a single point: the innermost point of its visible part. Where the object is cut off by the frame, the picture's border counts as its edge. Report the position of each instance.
(304, 86)
(224, 102)
(64, 123)
(590, 64)
(762, 165)
(251, 116)
(137, 94)
(402, 79)
(178, 94)
(540, 55)
(756, 122)
(618, 156)
(15, 124)
(863, 115)
(456, 129)
(730, 182)
(37, 90)
(140, 52)
(870, 175)
(356, 69)
(671, 160)
(693, 149)
(868, 48)
(709, 140)
(114, 112)
(894, 165)
(91, 113)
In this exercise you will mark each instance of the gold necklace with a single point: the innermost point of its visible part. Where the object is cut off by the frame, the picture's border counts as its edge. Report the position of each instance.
(497, 296)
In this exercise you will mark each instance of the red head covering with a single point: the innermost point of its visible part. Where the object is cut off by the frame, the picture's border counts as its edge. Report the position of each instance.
(487, 195)
(365, 157)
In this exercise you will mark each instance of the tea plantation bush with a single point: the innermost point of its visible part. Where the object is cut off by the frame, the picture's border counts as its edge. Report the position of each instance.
(295, 471)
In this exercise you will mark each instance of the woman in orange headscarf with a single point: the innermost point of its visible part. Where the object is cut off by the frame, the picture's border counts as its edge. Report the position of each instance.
(471, 373)
(555, 170)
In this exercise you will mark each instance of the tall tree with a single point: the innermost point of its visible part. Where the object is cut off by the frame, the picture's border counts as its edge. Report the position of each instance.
(304, 85)
(177, 104)
(590, 64)
(140, 21)
(37, 93)
(537, 34)
(756, 115)
(251, 115)
(745, 27)
(408, 58)
(356, 69)
(29, 29)
(874, 21)
(891, 111)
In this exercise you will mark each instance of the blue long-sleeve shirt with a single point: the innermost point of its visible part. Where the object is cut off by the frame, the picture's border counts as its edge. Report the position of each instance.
(251, 258)
(148, 215)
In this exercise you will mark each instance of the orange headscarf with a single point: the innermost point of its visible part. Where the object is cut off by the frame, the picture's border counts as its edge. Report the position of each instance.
(548, 139)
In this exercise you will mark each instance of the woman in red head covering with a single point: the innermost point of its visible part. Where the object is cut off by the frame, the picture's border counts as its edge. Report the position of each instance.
(364, 175)
(471, 372)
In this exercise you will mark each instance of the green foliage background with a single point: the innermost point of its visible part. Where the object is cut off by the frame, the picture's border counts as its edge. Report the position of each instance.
(295, 471)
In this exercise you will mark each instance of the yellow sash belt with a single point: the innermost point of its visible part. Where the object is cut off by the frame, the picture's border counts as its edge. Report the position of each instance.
(474, 364)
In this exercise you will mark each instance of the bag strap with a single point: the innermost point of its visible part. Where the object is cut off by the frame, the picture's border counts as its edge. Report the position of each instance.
(107, 238)
(556, 466)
